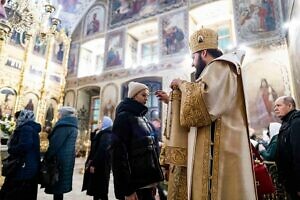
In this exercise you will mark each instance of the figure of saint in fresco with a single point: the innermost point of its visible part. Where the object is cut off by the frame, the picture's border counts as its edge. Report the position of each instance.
(113, 57)
(258, 17)
(93, 26)
(265, 104)
(49, 116)
(109, 109)
(174, 39)
(29, 105)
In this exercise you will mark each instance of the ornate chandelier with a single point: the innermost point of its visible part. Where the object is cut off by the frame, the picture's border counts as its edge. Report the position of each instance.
(32, 16)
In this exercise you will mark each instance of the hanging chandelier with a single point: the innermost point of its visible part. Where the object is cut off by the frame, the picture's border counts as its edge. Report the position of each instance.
(32, 16)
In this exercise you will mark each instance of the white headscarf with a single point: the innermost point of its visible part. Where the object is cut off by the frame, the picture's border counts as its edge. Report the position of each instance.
(274, 129)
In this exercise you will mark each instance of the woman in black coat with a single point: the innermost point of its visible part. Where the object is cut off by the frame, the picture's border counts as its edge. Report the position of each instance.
(25, 145)
(135, 161)
(98, 164)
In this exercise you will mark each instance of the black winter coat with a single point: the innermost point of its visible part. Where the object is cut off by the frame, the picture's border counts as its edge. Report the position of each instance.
(288, 151)
(100, 157)
(135, 153)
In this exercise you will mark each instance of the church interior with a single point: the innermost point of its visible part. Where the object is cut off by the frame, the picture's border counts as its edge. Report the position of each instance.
(83, 53)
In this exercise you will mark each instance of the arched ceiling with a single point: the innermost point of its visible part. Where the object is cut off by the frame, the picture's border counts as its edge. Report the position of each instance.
(70, 12)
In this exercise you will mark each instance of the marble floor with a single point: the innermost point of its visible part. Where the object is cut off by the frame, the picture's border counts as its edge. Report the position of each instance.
(76, 193)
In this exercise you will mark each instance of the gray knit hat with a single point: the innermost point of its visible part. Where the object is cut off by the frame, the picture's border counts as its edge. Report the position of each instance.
(134, 88)
(67, 111)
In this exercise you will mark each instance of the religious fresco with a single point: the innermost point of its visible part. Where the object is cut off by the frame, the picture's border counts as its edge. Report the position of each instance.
(262, 88)
(39, 46)
(30, 101)
(126, 11)
(114, 49)
(95, 20)
(257, 21)
(73, 59)
(71, 12)
(58, 52)
(173, 33)
(7, 102)
(69, 99)
(294, 49)
(109, 98)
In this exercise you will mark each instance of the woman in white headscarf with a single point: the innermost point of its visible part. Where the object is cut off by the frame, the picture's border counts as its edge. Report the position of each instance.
(98, 165)
(270, 152)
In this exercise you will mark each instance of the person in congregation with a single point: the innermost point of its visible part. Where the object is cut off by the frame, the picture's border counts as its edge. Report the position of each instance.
(269, 153)
(135, 162)
(25, 145)
(62, 141)
(288, 148)
(98, 164)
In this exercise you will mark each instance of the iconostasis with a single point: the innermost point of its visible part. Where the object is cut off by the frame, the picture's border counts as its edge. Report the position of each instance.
(33, 73)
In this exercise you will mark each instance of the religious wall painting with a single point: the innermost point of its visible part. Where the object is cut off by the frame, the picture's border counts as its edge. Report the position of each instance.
(30, 102)
(124, 11)
(109, 99)
(262, 88)
(58, 52)
(114, 49)
(95, 20)
(39, 46)
(73, 59)
(173, 33)
(69, 99)
(257, 21)
(7, 102)
(70, 12)
(294, 49)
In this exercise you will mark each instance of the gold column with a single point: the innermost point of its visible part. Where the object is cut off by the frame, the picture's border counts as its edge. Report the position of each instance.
(67, 42)
(4, 33)
(42, 101)
(24, 68)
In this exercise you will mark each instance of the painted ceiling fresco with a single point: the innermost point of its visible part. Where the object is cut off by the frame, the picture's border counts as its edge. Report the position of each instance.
(71, 12)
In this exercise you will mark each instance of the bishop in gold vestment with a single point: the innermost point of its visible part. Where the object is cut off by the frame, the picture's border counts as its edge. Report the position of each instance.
(219, 156)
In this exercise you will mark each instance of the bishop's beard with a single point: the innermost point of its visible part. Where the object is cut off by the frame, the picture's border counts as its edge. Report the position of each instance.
(199, 68)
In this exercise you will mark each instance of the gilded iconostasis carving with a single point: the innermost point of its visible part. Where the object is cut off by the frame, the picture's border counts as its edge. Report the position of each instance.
(34, 68)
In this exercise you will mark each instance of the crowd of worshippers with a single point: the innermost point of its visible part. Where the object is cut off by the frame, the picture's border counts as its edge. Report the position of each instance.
(212, 107)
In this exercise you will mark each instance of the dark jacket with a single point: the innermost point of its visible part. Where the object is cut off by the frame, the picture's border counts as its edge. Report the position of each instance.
(62, 145)
(270, 153)
(100, 157)
(288, 151)
(25, 143)
(135, 153)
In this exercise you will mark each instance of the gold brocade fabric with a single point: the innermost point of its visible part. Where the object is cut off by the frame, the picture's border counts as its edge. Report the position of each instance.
(177, 183)
(175, 150)
(221, 167)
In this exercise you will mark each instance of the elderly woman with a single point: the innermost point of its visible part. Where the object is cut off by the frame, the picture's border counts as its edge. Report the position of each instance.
(25, 145)
(62, 141)
(135, 161)
(98, 165)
